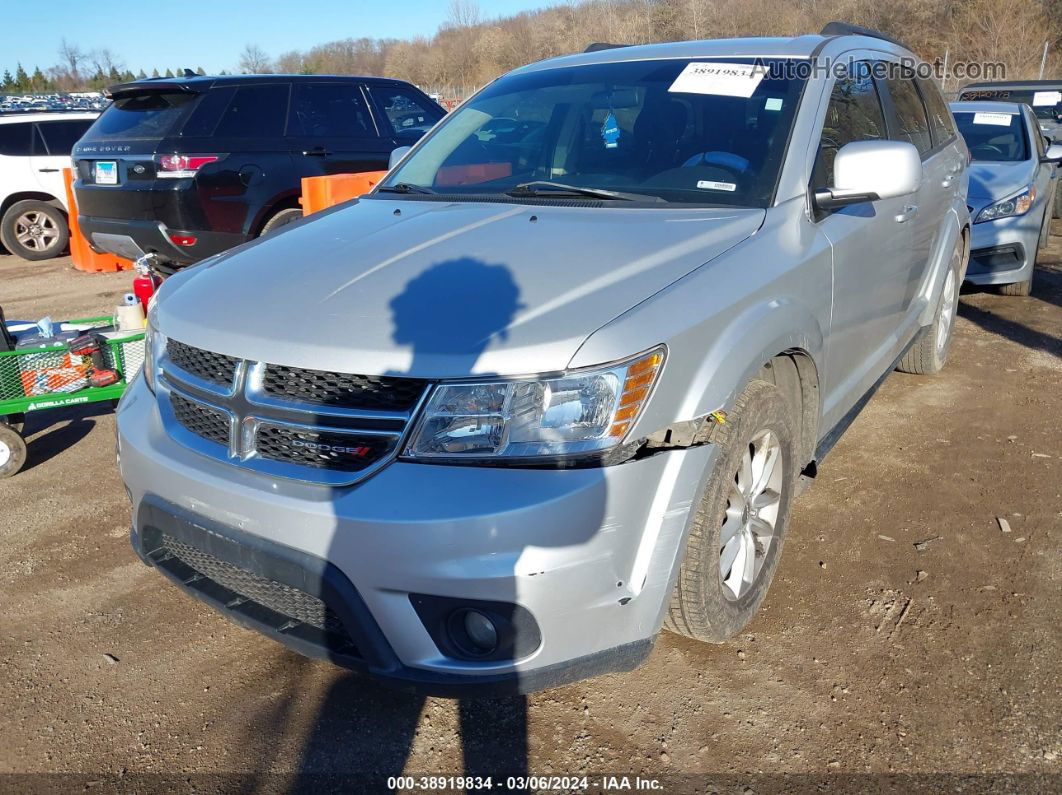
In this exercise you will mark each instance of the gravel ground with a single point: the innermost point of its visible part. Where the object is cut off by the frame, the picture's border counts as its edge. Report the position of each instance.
(905, 631)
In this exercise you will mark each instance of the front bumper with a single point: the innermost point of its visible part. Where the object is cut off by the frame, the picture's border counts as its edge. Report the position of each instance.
(134, 238)
(590, 554)
(1004, 251)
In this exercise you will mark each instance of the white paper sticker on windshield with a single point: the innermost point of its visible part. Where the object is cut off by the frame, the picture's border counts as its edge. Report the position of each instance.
(773, 103)
(705, 184)
(1047, 97)
(723, 79)
(999, 119)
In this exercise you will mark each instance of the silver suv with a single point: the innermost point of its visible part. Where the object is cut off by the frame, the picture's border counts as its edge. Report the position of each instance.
(558, 380)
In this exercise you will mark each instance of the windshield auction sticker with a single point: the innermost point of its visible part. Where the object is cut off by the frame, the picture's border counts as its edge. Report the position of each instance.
(1041, 98)
(999, 119)
(722, 79)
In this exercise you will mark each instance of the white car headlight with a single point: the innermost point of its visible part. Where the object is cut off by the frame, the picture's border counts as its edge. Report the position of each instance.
(579, 413)
(1018, 204)
(154, 345)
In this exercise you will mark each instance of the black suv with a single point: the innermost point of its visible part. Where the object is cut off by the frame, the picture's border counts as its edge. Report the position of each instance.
(187, 167)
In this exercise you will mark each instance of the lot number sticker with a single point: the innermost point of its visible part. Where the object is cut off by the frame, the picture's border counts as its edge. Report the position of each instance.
(999, 119)
(722, 79)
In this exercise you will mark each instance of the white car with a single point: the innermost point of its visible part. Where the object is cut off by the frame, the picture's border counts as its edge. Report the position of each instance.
(34, 150)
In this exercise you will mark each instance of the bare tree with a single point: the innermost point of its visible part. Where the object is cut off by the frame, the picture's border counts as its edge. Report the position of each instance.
(254, 61)
(71, 57)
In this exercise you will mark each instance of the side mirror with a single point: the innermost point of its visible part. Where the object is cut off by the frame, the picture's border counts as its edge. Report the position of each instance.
(1053, 153)
(396, 155)
(865, 171)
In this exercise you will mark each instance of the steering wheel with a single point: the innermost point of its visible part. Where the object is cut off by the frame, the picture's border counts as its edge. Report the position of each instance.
(986, 149)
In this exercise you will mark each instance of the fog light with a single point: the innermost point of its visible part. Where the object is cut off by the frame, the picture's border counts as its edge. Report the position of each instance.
(480, 632)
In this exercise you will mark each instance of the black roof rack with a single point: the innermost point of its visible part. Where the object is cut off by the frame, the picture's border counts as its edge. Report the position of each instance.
(837, 28)
(598, 46)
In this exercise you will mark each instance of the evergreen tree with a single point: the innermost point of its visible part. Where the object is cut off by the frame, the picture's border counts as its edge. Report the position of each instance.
(22, 80)
(169, 73)
(141, 75)
(9, 82)
(199, 71)
(154, 72)
(114, 75)
(38, 82)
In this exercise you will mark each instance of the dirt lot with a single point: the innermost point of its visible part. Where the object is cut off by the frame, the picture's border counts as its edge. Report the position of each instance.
(874, 653)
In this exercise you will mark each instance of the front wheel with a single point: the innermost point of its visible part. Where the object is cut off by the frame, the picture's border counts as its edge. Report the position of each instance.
(736, 540)
(34, 230)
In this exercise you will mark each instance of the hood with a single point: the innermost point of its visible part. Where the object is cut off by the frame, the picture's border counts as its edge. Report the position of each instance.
(440, 290)
(991, 182)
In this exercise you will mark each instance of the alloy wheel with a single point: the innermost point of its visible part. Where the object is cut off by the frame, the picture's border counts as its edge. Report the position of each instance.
(948, 298)
(751, 516)
(36, 231)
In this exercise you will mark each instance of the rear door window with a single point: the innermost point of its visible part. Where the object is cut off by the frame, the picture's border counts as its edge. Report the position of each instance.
(16, 140)
(147, 116)
(940, 120)
(60, 136)
(912, 124)
(255, 111)
(854, 114)
(330, 110)
(408, 113)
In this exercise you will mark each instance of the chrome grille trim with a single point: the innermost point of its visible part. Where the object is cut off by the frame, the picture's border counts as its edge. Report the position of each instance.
(249, 408)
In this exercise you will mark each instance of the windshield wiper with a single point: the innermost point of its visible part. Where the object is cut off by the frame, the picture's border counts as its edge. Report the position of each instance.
(404, 187)
(546, 188)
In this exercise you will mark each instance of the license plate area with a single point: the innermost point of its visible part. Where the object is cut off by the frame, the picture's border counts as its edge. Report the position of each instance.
(105, 172)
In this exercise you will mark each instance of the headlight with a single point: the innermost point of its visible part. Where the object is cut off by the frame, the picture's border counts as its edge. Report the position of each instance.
(579, 413)
(154, 345)
(1015, 205)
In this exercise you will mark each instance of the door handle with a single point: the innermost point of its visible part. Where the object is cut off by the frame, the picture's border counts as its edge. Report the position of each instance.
(47, 170)
(317, 151)
(909, 212)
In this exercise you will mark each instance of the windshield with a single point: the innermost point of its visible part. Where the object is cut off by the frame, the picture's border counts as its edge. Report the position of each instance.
(701, 132)
(142, 116)
(1046, 104)
(994, 137)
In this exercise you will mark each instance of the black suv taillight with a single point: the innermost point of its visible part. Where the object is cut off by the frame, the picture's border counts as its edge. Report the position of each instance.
(180, 166)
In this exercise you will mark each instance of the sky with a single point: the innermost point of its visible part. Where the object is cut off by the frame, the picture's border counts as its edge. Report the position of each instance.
(211, 33)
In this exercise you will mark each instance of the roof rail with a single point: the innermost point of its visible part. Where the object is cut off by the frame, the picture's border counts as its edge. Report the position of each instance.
(837, 28)
(598, 46)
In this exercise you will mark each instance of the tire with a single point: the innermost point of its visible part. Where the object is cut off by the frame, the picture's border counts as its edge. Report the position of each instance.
(282, 218)
(713, 601)
(34, 230)
(12, 451)
(15, 421)
(929, 353)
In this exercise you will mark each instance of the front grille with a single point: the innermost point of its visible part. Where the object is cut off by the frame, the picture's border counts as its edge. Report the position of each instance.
(217, 368)
(342, 390)
(295, 435)
(201, 420)
(343, 452)
(291, 602)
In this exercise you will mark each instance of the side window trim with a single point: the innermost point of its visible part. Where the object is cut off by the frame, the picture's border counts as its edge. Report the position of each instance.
(937, 145)
(892, 119)
(373, 111)
(38, 142)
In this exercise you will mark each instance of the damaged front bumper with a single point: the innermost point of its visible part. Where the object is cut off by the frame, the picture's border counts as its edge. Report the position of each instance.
(579, 562)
